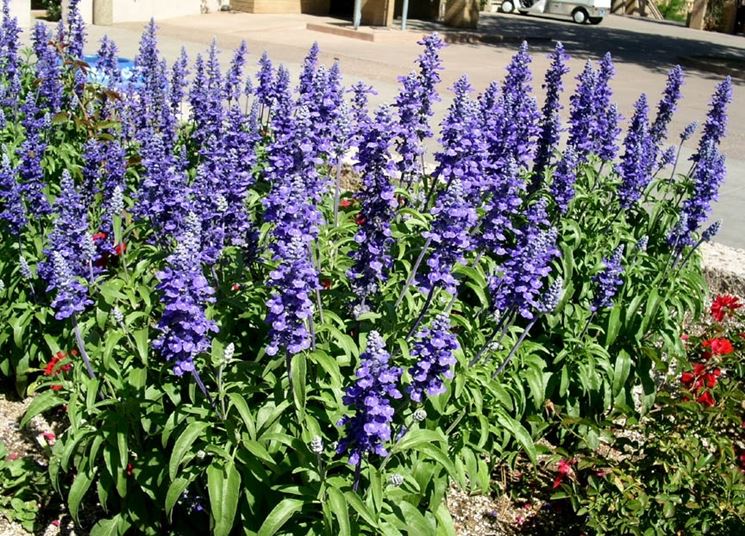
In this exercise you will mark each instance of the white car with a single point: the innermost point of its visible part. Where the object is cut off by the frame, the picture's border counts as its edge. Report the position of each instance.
(581, 11)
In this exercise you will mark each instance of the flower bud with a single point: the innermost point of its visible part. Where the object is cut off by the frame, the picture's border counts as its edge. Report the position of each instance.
(316, 445)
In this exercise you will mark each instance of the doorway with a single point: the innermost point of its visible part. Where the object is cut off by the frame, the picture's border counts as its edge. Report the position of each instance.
(341, 8)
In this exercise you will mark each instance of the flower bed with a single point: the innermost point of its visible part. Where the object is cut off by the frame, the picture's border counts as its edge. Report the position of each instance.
(230, 339)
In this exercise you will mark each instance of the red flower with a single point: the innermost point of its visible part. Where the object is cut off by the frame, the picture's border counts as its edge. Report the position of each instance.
(326, 283)
(563, 468)
(706, 399)
(13, 456)
(711, 378)
(360, 219)
(49, 437)
(51, 368)
(687, 379)
(724, 305)
(119, 249)
(130, 469)
(684, 337)
(99, 236)
(699, 378)
(235, 287)
(718, 346)
(346, 203)
(56, 387)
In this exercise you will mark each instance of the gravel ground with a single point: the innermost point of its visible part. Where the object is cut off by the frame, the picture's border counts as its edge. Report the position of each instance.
(28, 442)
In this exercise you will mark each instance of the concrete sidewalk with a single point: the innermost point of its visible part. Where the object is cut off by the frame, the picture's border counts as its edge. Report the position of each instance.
(643, 51)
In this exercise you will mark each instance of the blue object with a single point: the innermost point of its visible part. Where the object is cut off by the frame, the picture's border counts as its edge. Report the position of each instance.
(126, 67)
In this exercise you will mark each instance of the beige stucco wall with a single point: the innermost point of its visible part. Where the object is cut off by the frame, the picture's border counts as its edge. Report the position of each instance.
(114, 11)
(21, 9)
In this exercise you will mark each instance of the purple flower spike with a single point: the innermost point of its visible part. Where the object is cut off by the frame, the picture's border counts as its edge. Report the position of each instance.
(369, 429)
(12, 211)
(708, 176)
(76, 30)
(69, 254)
(434, 350)
(606, 128)
(550, 120)
(430, 66)
(450, 237)
(265, 81)
(71, 295)
(293, 283)
(162, 196)
(666, 107)
(48, 68)
(108, 62)
(636, 164)
(184, 327)
(359, 116)
(372, 258)
(179, 81)
(688, 131)
(519, 285)
(31, 153)
(463, 154)
(583, 114)
(505, 199)
(10, 61)
(234, 78)
(564, 177)
(716, 119)
(520, 109)
(310, 64)
(414, 103)
(608, 281)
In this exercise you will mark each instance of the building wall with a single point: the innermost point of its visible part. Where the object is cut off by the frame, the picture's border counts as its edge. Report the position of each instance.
(107, 12)
(21, 9)
(314, 7)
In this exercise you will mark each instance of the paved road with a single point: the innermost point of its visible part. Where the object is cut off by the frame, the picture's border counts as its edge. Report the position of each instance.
(643, 51)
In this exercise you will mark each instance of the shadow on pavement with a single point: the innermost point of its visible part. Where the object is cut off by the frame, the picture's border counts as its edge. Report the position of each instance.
(651, 49)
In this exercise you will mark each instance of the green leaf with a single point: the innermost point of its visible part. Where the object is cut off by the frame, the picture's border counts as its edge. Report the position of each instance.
(298, 370)
(339, 506)
(355, 502)
(242, 406)
(279, 516)
(175, 490)
(183, 444)
(78, 490)
(258, 450)
(614, 325)
(224, 485)
(519, 432)
(416, 523)
(141, 340)
(445, 526)
(437, 454)
(44, 402)
(621, 371)
(414, 438)
(107, 527)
